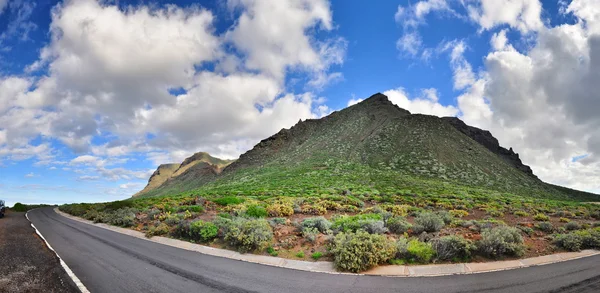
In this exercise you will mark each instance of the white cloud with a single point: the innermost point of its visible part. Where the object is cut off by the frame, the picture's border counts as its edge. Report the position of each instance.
(354, 101)
(286, 45)
(541, 102)
(30, 175)
(499, 40)
(426, 103)
(109, 72)
(524, 15)
(410, 43)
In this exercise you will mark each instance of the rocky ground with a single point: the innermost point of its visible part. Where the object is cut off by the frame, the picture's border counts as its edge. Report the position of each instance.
(26, 264)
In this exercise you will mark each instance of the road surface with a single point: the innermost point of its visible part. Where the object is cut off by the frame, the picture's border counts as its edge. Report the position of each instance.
(108, 261)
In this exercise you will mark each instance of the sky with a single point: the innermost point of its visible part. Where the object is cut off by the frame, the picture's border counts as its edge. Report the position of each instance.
(94, 95)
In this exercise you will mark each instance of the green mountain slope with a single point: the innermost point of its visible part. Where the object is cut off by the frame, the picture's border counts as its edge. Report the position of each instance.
(376, 147)
(173, 178)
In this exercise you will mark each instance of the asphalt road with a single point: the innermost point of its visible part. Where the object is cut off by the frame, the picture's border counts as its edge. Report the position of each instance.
(107, 261)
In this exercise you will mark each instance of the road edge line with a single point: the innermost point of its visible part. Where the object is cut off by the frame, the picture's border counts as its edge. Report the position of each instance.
(64, 265)
(256, 258)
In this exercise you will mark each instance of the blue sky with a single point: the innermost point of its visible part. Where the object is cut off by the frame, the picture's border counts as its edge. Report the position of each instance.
(94, 95)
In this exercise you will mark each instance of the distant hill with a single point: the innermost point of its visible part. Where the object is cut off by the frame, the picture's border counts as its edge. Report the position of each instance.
(175, 177)
(374, 146)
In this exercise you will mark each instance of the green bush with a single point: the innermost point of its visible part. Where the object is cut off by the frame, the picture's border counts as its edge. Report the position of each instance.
(203, 231)
(310, 234)
(277, 221)
(446, 216)
(319, 223)
(398, 225)
(453, 248)
(317, 255)
(256, 211)
(161, 229)
(272, 251)
(572, 226)
(117, 205)
(359, 251)
(501, 241)
(428, 222)
(371, 223)
(191, 208)
(541, 217)
(577, 240)
(545, 226)
(122, 217)
(300, 254)
(414, 251)
(19, 207)
(521, 214)
(247, 234)
(228, 200)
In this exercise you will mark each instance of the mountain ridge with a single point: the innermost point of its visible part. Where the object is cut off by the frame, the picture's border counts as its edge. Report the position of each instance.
(376, 139)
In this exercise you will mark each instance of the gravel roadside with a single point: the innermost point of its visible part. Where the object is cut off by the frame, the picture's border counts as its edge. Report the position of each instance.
(26, 264)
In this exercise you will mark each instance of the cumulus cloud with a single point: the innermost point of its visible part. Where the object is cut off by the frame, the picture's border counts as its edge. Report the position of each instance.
(524, 15)
(109, 72)
(425, 103)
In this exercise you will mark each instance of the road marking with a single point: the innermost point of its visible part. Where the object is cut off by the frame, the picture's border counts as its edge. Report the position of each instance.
(70, 273)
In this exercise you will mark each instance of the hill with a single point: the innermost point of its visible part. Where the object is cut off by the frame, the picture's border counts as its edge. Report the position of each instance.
(186, 175)
(371, 146)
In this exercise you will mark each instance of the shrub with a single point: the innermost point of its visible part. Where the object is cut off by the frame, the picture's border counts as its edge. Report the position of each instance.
(570, 226)
(310, 234)
(459, 213)
(228, 200)
(367, 222)
(300, 254)
(359, 251)
(19, 207)
(398, 225)
(414, 251)
(521, 214)
(577, 240)
(277, 221)
(272, 251)
(280, 210)
(446, 216)
(541, 217)
(247, 234)
(526, 230)
(453, 248)
(256, 211)
(428, 222)
(564, 220)
(317, 255)
(203, 231)
(119, 204)
(320, 223)
(191, 208)
(161, 229)
(123, 217)
(225, 215)
(500, 241)
(545, 226)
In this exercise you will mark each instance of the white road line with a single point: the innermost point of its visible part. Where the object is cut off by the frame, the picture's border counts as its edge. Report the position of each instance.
(72, 275)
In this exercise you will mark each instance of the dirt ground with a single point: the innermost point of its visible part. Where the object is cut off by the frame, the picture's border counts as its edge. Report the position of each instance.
(26, 264)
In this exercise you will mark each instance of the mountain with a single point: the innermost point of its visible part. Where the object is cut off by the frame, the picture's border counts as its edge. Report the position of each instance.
(376, 147)
(176, 177)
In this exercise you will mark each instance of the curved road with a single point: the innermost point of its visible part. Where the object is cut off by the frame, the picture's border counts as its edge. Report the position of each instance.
(107, 261)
